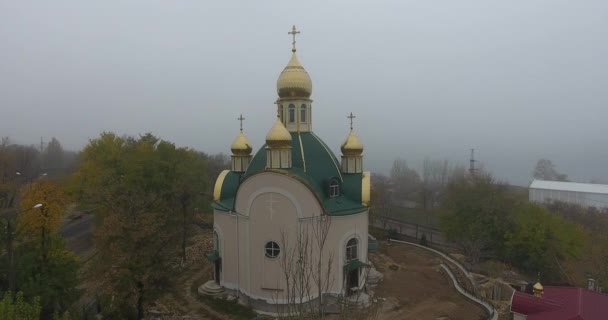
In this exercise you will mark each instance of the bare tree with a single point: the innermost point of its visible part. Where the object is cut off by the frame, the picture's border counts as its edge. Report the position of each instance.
(545, 170)
(306, 267)
(405, 181)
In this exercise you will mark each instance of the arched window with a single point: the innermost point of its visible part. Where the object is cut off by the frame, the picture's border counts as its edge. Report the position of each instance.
(272, 249)
(292, 113)
(281, 115)
(352, 249)
(303, 113)
(334, 188)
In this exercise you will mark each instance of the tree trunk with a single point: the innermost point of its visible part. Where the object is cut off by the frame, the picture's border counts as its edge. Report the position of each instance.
(140, 301)
(11, 259)
(184, 232)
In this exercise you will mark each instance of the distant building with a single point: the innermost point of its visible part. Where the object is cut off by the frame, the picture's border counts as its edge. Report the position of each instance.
(560, 303)
(583, 194)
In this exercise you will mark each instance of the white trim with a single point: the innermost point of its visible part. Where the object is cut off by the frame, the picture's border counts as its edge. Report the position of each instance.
(221, 245)
(270, 300)
(261, 191)
(342, 256)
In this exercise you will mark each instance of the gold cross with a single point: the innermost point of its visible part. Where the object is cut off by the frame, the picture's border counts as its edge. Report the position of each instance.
(240, 118)
(351, 117)
(293, 32)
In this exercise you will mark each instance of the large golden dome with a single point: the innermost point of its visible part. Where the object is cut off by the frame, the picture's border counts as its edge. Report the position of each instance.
(278, 136)
(241, 146)
(294, 81)
(352, 146)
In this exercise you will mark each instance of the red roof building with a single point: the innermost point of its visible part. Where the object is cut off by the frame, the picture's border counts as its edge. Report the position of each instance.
(560, 303)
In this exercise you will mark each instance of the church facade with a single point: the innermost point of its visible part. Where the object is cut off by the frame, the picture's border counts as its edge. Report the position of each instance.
(291, 220)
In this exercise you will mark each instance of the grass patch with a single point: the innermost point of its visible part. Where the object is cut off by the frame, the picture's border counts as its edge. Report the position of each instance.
(232, 308)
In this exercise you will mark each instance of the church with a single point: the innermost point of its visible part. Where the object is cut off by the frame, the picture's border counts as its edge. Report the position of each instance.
(291, 220)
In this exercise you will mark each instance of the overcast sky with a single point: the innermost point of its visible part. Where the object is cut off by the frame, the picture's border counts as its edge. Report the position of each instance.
(516, 80)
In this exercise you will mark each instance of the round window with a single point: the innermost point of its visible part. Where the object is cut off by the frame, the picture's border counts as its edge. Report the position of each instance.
(272, 249)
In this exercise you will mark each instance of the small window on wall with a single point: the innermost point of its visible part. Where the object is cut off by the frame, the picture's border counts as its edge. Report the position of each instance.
(334, 188)
(281, 112)
(303, 113)
(351, 249)
(272, 249)
(292, 113)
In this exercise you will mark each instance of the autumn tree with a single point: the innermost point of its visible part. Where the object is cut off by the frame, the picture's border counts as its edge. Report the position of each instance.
(478, 214)
(19, 309)
(39, 223)
(381, 195)
(405, 181)
(45, 268)
(540, 241)
(133, 182)
(53, 155)
(190, 185)
(545, 170)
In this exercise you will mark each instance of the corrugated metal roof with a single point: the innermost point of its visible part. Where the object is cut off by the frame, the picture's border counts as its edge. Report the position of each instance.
(562, 303)
(570, 186)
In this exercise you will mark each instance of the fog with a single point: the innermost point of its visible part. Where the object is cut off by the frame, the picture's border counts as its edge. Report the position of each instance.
(516, 80)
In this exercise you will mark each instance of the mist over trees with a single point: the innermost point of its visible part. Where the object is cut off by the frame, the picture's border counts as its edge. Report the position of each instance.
(545, 170)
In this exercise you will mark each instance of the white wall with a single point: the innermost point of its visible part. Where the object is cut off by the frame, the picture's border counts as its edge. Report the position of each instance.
(579, 198)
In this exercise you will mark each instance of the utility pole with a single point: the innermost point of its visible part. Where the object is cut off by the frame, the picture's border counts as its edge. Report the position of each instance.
(472, 168)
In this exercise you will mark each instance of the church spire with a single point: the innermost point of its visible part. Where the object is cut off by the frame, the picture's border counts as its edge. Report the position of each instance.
(352, 151)
(294, 88)
(241, 150)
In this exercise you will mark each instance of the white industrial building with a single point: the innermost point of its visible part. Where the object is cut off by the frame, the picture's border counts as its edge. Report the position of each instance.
(584, 194)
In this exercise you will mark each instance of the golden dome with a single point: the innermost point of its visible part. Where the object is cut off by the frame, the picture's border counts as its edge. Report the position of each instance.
(241, 145)
(294, 81)
(278, 136)
(352, 146)
(537, 289)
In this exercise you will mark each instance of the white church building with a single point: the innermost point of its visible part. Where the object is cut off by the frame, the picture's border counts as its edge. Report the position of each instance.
(290, 207)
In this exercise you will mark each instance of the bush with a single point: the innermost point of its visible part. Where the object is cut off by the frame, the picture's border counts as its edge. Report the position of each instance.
(423, 241)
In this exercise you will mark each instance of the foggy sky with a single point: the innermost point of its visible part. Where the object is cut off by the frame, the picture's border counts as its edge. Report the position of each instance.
(516, 80)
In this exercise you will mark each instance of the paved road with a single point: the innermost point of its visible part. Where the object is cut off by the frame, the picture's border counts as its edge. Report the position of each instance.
(78, 234)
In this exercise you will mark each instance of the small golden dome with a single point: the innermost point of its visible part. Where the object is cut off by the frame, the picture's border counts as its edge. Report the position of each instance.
(538, 289)
(241, 145)
(294, 81)
(278, 136)
(352, 146)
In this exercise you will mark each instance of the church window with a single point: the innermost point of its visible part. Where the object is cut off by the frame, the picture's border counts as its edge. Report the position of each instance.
(303, 113)
(292, 113)
(351, 249)
(272, 249)
(281, 112)
(334, 188)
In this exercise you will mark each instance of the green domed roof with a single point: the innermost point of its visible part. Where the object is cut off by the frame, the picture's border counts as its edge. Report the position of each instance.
(313, 164)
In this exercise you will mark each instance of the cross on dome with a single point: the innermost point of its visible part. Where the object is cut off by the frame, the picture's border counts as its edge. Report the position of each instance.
(240, 118)
(351, 117)
(293, 32)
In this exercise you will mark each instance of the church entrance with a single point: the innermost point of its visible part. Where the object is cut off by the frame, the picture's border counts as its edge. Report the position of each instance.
(352, 282)
(218, 270)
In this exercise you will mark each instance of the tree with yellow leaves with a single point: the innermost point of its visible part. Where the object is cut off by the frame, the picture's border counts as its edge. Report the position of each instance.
(37, 224)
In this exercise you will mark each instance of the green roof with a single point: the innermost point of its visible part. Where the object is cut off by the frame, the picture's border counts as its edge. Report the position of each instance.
(313, 164)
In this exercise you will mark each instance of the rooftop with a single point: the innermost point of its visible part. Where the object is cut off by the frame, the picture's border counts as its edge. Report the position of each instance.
(570, 186)
(562, 303)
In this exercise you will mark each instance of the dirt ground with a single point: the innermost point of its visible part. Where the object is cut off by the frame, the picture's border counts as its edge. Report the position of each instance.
(417, 289)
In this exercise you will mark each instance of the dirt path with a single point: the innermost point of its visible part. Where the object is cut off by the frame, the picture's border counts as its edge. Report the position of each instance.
(417, 289)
